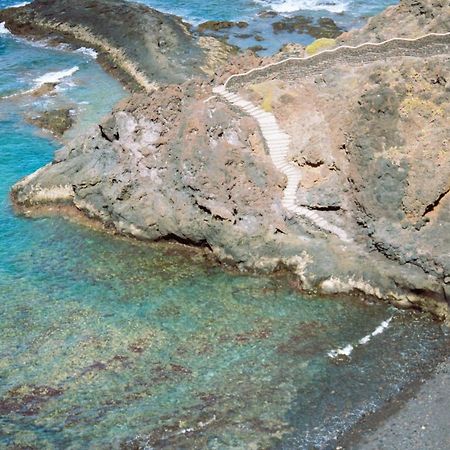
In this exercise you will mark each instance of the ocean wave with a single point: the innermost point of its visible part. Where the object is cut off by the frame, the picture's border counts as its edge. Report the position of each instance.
(18, 5)
(55, 77)
(3, 29)
(49, 77)
(87, 51)
(290, 6)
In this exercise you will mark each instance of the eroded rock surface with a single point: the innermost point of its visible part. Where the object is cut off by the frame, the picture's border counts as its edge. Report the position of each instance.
(370, 136)
(410, 18)
(57, 121)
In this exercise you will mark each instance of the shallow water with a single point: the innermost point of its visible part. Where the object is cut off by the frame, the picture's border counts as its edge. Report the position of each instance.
(107, 343)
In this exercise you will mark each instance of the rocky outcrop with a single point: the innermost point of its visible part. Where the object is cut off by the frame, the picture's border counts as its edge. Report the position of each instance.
(216, 25)
(323, 28)
(368, 134)
(57, 121)
(410, 19)
(139, 45)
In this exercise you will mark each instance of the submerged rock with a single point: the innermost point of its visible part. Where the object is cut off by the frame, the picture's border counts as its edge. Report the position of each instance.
(268, 14)
(323, 28)
(257, 48)
(217, 25)
(57, 121)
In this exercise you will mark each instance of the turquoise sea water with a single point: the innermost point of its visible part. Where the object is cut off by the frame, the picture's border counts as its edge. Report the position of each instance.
(107, 343)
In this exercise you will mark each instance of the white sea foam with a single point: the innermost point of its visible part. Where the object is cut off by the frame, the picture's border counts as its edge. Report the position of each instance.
(289, 6)
(3, 29)
(348, 349)
(18, 5)
(345, 351)
(49, 77)
(55, 77)
(87, 51)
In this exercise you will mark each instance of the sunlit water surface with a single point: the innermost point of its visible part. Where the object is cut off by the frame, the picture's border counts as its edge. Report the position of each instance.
(105, 343)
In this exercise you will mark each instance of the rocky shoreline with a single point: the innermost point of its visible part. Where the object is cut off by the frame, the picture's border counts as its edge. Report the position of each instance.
(166, 165)
(119, 32)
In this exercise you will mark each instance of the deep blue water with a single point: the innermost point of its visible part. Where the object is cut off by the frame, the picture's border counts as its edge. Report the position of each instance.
(106, 343)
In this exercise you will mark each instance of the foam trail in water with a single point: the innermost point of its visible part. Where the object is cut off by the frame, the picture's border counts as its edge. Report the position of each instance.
(50, 77)
(348, 349)
(288, 6)
(55, 77)
(3, 29)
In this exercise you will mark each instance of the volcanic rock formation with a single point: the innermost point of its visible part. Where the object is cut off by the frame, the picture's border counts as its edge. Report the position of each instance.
(368, 132)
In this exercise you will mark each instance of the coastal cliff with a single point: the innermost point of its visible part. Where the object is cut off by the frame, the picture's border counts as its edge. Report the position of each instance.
(368, 133)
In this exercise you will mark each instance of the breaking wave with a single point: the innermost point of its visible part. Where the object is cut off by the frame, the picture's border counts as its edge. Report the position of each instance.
(18, 5)
(3, 29)
(289, 6)
(49, 77)
(55, 77)
(87, 51)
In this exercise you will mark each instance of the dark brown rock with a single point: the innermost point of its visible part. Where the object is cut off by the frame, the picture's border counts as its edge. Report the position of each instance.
(217, 25)
(324, 28)
(57, 121)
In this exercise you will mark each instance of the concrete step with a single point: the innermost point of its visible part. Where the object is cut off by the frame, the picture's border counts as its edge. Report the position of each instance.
(268, 123)
(276, 139)
(263, 115)
(278, 147)
(243, 103)
(233, 98)
(251, 109)
(264, 121)
(283, 166)
(276, 136)
(269, 127)
(283, 146)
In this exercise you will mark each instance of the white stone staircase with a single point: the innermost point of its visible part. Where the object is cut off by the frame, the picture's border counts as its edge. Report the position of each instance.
(278, 143)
